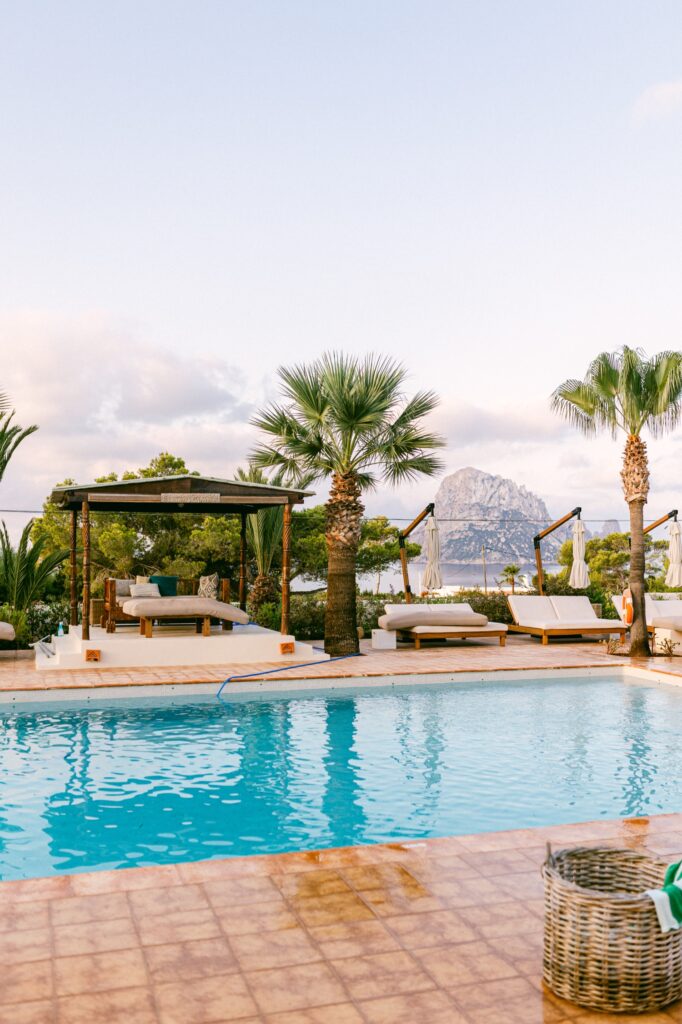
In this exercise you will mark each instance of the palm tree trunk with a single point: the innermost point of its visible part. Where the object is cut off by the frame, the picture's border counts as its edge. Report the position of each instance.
(262, 591)
(635, 477)
(639, 636)
(344, 520)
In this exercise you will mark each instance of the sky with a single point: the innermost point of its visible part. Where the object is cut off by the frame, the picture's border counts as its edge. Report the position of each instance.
(192, 194)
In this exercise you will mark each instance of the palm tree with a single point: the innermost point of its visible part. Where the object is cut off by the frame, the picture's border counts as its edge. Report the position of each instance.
(11, 436)
(510, 573)
(264, 535)
(25, 570)
(625, 391)
(347, 419)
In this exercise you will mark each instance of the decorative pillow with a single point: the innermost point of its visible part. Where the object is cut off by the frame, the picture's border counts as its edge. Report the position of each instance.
(168, 585)
(144, 590)
(142, 579)
(208, 586)
(123, 588)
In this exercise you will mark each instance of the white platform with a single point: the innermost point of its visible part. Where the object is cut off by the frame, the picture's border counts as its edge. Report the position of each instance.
(173, 646)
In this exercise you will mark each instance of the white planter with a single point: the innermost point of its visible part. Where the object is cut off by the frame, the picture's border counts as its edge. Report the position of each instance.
(384, 640)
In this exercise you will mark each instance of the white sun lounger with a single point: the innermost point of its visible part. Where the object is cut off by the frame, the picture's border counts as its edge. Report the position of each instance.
(559, 616)
(458, 621)
(663, 618)
(7, 631)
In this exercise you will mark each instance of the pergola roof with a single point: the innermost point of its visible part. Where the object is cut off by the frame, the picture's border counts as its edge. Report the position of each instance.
(163, 494)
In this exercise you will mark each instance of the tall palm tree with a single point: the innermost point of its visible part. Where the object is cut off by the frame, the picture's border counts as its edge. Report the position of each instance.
(11, 436)
(510, 573)
(347, 419)
(625, 391)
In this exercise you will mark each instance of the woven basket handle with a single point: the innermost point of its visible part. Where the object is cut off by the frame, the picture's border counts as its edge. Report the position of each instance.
(549, 860)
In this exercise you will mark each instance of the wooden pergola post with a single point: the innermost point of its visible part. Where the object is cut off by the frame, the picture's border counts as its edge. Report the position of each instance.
(73, 569)
(242, 563)
(286, 568)
(85, 520)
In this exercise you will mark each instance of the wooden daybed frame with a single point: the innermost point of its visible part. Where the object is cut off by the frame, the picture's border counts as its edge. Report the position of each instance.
(454, 633)
(546, 633)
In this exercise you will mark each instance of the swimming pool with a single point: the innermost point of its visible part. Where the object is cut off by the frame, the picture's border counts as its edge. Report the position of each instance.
(124, 784)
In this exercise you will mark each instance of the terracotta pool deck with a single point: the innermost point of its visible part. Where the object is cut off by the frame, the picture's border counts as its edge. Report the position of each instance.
(446, 931)
(464, 656)
(442, 931)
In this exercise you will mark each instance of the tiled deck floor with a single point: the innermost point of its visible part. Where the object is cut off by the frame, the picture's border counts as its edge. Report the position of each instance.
(519, 653)
(441, 932)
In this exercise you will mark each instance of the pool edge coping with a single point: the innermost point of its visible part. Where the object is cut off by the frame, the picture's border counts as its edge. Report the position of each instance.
(326, 684)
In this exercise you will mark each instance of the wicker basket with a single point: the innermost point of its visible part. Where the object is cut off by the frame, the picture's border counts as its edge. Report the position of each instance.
(604, 948)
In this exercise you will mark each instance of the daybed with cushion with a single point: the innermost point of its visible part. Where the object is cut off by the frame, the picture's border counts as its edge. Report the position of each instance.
(417, 622)
(117, 593)
(559, 616)
(200, 609)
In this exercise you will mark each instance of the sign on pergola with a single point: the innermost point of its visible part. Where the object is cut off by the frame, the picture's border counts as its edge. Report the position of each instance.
(172, 495)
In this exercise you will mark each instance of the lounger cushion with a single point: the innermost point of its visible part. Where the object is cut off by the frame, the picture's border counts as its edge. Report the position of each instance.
(529, 610)
(673, 622)
(123, 587)
(460, 605)
(669, 608)
(178, 607)
(6, 631)
(490, 627)
(573, 608)
(405, 616)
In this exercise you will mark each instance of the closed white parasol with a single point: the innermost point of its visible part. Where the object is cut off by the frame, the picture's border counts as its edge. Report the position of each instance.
(673, 577)
(580, 578)
(432, 579)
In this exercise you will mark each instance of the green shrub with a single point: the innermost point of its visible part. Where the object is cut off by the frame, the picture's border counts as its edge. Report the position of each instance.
(20, 623)
(306, 616)
(43, 618)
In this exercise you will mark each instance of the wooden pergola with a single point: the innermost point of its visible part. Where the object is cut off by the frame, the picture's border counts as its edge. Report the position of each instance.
(165, 495)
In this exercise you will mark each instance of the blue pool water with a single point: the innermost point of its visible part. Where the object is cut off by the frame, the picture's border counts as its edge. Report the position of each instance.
(121, 784)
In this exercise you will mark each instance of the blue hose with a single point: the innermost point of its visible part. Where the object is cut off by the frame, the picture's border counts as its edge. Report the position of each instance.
(285, 668)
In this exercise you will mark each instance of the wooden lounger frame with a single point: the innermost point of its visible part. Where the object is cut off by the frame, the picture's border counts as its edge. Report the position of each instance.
(545, 634)
(435, 634)
(203, 623)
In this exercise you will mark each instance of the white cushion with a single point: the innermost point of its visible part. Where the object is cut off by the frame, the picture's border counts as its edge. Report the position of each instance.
(144, 590)
(123, 587)
(7, 631)
(531, 610)
(460, 605)
(573, 608)
(490, 627)
(673, 622)
(179, 607)
(435, 615)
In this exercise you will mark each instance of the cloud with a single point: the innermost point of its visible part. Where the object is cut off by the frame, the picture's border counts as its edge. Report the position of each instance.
(658, 102)
(105, 399)
(469, 424)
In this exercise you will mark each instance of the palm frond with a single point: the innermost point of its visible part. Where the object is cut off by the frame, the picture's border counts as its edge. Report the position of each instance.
(26, 570)
(624, 390)
(11, 436)
(343, 414)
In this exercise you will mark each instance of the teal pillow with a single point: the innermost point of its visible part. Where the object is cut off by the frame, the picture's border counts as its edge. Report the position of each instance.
(168, 585)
